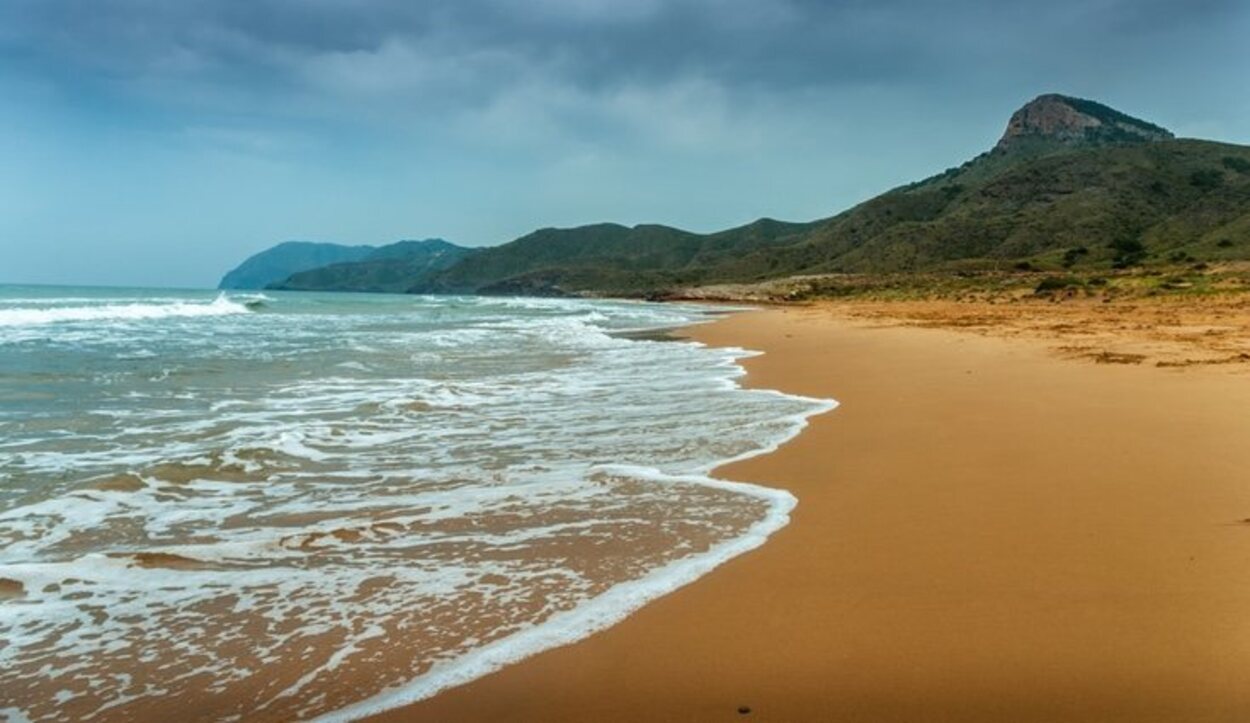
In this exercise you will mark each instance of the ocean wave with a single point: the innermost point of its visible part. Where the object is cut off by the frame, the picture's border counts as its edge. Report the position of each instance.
(427, 494)
(601, 611)
(220, 306)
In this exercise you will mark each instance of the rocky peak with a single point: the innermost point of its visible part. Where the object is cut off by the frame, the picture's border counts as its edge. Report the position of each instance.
(1069, 121)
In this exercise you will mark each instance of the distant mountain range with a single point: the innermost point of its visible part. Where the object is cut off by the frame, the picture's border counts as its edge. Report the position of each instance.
(390, 268)
(1071, 183)
(276, 263)
(308, 265)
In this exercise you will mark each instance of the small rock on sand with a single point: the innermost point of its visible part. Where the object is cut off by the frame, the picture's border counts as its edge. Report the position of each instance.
(11, 589)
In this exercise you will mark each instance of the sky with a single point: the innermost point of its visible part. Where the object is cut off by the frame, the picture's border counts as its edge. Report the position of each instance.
(158, 143)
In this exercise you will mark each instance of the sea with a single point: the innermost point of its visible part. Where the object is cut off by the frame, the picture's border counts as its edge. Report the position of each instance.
(274, 506)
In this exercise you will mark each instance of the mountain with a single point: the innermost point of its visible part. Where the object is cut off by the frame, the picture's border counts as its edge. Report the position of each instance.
(277, 263)
(1060, 119)
(1070, 183)
(1114, 206)
(390, 268)
(605, 258)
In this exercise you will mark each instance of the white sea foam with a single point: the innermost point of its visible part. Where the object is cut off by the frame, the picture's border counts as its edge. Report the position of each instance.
(596, 614)
(384, 475)
(52, 314)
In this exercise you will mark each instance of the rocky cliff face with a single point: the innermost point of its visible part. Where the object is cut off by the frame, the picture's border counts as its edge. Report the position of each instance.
(1069, 121)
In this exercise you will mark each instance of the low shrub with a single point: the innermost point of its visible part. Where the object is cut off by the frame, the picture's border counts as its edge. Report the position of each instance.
(1056, 283)
(1206, 179)
(1128, 252)
(1239, 165)
(1071, 256)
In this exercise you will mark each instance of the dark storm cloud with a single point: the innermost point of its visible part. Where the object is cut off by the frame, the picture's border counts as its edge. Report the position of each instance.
(170, 130)
(464, 50)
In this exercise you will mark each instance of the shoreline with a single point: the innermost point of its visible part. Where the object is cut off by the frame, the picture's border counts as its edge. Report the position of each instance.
(625, 598)
(984, 532)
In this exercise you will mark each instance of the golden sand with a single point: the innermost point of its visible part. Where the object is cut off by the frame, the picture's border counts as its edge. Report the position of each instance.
(986, 531)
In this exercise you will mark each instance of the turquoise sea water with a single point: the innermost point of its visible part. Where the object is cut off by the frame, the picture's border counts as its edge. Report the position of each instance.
(231, 503)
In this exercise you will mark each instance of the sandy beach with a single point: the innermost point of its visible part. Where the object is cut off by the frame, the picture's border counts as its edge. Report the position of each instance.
(986, 531)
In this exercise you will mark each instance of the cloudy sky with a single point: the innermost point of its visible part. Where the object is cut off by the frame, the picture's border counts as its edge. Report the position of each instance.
(151, 142)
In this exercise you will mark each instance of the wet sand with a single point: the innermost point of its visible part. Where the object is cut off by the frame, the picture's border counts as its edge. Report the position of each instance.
(986, 531)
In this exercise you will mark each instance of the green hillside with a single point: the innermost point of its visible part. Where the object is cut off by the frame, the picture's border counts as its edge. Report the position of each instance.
(278, 262)
(390, 268)
(607, 258)
(1105, 207)
(1072, 184)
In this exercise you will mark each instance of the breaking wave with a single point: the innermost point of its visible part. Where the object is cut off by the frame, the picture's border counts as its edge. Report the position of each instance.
(350, 502)
(221, 306)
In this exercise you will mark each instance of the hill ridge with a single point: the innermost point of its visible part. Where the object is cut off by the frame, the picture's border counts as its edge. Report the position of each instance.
(1063, 119)
(1076, 184)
